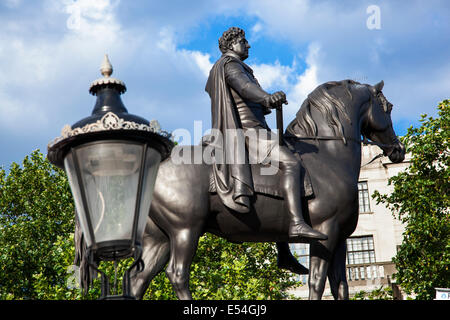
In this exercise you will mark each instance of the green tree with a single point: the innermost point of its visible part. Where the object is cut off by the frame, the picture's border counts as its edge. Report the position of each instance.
(37, 248)
(381, 293)
(222, 270)
(420, 199)
(36, 222)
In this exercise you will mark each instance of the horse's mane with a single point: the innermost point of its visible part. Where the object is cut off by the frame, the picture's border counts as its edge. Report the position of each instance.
(329, 106)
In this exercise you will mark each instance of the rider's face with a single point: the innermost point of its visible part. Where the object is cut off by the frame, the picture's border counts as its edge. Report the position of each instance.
(240, 46)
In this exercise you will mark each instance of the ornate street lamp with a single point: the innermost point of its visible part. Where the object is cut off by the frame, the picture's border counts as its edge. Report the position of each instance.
(111, 159)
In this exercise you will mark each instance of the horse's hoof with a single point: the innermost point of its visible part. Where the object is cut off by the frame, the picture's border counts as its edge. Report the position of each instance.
(302, 230)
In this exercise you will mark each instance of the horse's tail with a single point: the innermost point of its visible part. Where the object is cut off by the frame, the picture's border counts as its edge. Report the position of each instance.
(155, 254)
(87, 274)
(156, 249)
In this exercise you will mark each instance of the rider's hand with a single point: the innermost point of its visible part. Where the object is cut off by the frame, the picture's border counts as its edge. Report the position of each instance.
(277, 99)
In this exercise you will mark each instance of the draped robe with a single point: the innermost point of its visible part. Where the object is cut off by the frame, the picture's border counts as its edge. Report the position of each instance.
(231, 169)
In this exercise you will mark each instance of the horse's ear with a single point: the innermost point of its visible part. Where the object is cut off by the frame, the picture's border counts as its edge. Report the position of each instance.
(379, 86)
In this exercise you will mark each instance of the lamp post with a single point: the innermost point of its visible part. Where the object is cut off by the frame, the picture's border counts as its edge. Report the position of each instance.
(111, 159)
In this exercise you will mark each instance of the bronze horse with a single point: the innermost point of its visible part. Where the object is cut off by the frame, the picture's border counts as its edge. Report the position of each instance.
(326, 134)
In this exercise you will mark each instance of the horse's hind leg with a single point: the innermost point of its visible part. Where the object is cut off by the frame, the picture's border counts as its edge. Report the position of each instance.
(155, 254)
(337, 273)
(183, 245)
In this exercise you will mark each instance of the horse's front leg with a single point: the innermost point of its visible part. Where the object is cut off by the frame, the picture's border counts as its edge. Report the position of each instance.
(337, 276)
(321, 253)
(183, 245)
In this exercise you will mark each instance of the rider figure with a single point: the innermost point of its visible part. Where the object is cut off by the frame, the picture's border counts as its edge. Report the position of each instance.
(238, 102)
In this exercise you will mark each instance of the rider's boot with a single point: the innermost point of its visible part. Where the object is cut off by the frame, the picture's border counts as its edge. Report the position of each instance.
(290, 183)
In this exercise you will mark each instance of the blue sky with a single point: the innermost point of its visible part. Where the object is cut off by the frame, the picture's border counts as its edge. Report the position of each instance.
(51, 50)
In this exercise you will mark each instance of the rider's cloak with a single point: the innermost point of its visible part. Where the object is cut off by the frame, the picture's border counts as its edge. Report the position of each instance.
(232, 173)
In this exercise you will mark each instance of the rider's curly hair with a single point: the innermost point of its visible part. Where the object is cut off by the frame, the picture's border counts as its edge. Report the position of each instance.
(229, 36)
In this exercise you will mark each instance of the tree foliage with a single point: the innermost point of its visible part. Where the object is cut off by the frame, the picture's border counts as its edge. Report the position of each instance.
(225, 271)
(421, 201)
(37, 248)
(36, 221)
(381, 293)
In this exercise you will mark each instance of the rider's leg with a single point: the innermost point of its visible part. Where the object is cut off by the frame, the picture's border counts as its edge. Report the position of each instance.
(291, 187)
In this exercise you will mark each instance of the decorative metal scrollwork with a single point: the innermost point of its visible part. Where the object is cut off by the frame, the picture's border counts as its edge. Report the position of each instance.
(110, 121)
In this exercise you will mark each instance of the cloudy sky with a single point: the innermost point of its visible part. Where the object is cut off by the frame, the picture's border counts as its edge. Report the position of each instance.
(51, 50)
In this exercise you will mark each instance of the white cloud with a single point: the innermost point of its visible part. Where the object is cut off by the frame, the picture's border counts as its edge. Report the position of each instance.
(273, 76)
(257, 27)
(411, 44)
(188, 59)
(166, 40)
(20, 117)
(255, 32)
(44, 79)
(36, 66)
(48, 60)
(297, 85)
(307, 81)
(89, 17)
(203, 61)
(54, 69)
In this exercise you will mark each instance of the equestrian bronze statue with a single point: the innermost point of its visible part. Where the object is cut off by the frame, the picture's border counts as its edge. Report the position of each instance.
(312, 195)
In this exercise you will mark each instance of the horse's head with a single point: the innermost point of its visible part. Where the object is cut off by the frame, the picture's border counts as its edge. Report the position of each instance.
(377, 124)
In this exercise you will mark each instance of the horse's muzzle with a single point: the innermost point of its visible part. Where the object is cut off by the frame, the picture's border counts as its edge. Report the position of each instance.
(397, 154)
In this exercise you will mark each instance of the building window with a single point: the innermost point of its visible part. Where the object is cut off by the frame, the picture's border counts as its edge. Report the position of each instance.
(363, 196)
(360, 250)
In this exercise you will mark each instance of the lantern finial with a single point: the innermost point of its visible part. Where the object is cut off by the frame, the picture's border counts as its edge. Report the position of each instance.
(106, 68)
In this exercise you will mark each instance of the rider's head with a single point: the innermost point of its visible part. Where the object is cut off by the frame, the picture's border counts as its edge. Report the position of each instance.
(234, 40)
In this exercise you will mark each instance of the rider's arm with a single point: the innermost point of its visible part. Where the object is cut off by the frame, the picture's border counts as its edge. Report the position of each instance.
(239, 80)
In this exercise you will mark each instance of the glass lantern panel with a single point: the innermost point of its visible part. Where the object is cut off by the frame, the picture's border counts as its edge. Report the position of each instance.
(152, 160)
(110, 172)
(76, 192)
